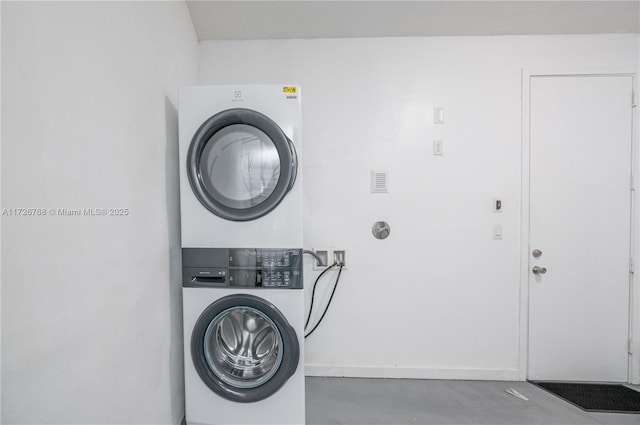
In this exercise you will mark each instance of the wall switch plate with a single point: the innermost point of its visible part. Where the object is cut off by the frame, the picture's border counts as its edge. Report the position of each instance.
(438, 147)
(438, 115)
(497, 231)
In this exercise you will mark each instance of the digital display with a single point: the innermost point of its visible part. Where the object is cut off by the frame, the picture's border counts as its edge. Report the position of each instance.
(269, 268)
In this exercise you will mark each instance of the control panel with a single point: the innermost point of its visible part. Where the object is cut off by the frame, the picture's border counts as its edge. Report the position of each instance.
(242, 267)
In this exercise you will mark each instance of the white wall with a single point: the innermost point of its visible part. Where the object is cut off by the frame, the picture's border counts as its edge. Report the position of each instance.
(91, 307)
(439, 298)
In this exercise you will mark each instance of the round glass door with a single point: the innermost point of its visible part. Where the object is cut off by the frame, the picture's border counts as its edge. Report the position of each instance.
(241, 164)
(243, 348)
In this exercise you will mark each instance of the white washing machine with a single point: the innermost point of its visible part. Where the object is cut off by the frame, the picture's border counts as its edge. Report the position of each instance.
(241, 216)
(243, 332)
(240, 183)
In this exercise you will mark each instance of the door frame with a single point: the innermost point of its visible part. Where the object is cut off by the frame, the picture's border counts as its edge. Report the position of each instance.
(634, 279)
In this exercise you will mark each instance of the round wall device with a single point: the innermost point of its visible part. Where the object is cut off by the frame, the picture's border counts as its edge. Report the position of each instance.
(381, 229)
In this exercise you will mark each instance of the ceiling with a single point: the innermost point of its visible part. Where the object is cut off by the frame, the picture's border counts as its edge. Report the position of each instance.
(250, 20)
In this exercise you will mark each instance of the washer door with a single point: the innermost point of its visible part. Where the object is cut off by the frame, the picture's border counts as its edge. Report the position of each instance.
(241, 164)
(243, 348)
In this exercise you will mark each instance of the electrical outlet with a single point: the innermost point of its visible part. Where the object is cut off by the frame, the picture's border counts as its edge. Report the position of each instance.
(340, 257)
(324, 254)
(437, 147)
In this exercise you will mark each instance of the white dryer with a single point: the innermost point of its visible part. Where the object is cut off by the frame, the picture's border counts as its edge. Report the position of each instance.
(239, 166)
(243, 336)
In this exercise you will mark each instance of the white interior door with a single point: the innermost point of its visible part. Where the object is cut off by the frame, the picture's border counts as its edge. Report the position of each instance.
(580, 221)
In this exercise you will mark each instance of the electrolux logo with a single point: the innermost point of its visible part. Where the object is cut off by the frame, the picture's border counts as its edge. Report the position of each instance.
(237, 96)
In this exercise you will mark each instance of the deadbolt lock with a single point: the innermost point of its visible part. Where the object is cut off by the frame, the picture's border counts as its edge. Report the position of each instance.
(536, 253)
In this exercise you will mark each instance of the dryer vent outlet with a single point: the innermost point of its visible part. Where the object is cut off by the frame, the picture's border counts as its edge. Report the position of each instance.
(340, 257)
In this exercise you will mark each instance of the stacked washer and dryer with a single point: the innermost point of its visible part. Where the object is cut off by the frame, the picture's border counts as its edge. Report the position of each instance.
(241, 217)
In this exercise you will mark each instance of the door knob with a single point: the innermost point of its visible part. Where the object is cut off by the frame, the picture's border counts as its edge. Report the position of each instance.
(539, 270)
(536, 253)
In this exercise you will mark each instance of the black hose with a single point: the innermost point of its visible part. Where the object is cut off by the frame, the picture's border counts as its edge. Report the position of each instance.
(313, 293)
(335, 286)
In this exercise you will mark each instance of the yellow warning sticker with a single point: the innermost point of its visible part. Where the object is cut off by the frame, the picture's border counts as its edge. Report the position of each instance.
(289, 89)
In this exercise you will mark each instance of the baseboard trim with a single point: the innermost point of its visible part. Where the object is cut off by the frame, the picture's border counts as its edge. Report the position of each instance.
(412, 373)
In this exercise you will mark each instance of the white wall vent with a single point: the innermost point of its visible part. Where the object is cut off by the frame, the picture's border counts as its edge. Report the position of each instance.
(379, 181)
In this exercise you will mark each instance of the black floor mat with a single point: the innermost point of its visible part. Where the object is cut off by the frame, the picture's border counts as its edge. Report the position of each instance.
(596, 397)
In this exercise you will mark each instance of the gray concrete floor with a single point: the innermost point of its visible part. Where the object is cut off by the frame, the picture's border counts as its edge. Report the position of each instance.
(331, 401)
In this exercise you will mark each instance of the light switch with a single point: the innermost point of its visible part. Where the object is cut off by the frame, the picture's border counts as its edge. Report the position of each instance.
(438, 115)
(497, 231)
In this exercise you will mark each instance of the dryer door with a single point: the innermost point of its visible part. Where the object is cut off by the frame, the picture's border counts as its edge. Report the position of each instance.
(243, 348)
(241, 164)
